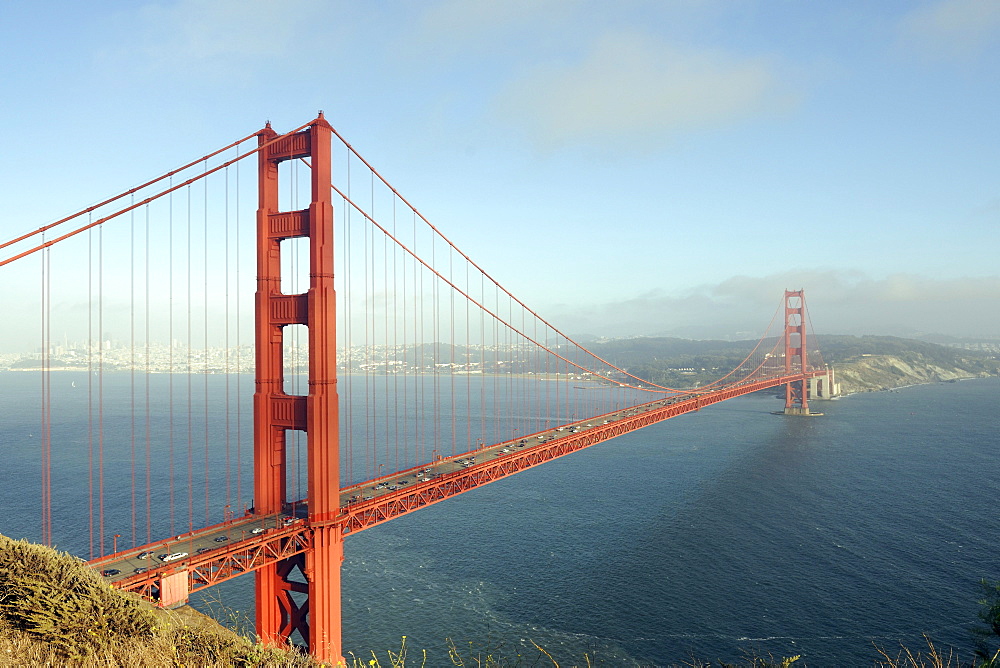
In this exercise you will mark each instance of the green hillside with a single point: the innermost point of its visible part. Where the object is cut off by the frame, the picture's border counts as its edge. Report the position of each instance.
(685, 363)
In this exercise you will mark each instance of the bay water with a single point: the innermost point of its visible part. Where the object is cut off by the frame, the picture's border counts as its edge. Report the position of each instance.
(713, 535)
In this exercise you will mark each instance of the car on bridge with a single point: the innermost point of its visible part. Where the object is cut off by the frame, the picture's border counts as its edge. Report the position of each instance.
(110, 572)
(173, 556)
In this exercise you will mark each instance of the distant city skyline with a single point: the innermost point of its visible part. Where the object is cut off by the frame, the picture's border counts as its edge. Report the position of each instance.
(638, 168)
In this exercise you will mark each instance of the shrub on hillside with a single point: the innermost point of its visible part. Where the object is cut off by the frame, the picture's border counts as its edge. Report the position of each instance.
(48, 595)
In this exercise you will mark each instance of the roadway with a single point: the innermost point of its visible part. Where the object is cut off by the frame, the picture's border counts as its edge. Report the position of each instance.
(243, 544)
(159, 556)
(210, 543)
(393, 483)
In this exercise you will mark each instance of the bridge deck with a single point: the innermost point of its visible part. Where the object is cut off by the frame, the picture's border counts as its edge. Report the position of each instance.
(232, 548)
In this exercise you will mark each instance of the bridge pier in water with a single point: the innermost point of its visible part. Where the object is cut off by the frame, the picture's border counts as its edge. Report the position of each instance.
(279, 614)
(796, 354)
(824, 387)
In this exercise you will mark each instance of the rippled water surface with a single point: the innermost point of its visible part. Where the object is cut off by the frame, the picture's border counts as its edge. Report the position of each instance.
(709, 535)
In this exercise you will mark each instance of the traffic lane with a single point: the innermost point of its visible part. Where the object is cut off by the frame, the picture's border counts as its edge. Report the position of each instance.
(240, 529)
(190, 546)
(391, 484)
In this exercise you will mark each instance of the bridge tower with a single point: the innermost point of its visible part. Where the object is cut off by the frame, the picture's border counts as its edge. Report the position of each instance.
(276, 413)
(796, 354)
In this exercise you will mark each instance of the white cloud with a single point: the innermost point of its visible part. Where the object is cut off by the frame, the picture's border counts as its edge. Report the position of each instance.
(952, 28)
(631, 88)
(217, 36)
(477, 22)
(839, 303)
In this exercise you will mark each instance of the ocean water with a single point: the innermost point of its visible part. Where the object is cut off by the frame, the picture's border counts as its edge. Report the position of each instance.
(728, 531)
(710, 535)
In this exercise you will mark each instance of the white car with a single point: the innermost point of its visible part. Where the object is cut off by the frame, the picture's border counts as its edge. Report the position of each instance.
(173, 556)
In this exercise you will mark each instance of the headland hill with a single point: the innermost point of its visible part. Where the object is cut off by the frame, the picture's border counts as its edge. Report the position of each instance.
(861, 363)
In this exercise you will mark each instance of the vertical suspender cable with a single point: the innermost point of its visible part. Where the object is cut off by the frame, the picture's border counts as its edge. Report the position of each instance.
(170, 360)
(416, 339)
(239, 347)
(557, 364)
(435, 303)
(482, 359)
(522, 365)
(399, 423)
(47, 434)
(451, 349)
(370, 314)
(205, 340)
(228, 369)
(46, 397)
(418, 334)
(369, 437)
(346, 345)
(42, 379)
(400, 312)
(385, 335)
(509, 347)
(497, 412)
(537, 415)
(90, 386)
(48, 402)
(131, 283)
(100, 381)
(468, 361)
(190, 380)
(349, 331)
(149, 497)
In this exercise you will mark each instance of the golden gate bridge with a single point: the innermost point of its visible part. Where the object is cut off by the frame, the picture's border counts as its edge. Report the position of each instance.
(427, 379)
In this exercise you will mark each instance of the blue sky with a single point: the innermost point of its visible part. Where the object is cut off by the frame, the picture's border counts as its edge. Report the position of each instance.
(635, 167)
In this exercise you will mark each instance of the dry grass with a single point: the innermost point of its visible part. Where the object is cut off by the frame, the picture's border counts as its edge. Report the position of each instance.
(931, 658)
(492, 655)
(54, 611)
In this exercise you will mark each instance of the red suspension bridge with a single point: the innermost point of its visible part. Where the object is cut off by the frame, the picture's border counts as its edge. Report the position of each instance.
(427, 380)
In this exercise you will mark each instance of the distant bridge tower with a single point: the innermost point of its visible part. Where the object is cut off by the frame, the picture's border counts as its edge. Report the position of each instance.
(317, 618)
(796, 354)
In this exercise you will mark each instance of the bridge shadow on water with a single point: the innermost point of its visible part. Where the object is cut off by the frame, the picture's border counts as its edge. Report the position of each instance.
(725, 531)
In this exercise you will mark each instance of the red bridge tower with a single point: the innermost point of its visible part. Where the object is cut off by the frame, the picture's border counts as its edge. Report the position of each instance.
(317, 618)
(796, 354)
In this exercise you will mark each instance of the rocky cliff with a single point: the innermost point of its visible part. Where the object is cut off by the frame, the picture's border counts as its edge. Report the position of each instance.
(870, 373)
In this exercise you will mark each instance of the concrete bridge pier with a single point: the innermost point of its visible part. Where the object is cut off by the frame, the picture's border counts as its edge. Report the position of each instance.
(799, 411)
(174, 589)
(820, 387)
(824, 387)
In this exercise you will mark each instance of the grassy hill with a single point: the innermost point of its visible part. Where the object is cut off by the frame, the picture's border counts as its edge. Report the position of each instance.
(55, 611)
